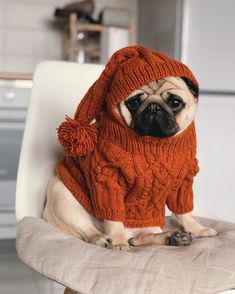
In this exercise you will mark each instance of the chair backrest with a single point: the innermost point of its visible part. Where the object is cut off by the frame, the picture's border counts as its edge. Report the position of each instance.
(57, 90)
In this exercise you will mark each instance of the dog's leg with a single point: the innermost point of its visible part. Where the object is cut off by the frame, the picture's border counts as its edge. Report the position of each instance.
(65, 212)
(116, 232)
(170, 238)
(190, 225)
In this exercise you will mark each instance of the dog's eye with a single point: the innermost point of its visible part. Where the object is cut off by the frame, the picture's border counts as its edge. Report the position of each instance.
(175, 102)
(134, 102)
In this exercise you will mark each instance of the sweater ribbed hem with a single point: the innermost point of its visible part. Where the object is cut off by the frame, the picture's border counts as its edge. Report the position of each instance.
(155, 222)
(109, 214)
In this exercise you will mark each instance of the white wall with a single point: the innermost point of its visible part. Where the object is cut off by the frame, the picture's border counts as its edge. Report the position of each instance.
(29, 34)
(214, 184)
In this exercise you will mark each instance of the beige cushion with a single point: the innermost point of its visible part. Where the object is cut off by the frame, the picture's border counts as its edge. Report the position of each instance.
(207, 266)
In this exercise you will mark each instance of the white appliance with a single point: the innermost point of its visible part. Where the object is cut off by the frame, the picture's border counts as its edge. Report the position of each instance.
(201, 33)
(208, 43)
(113, 39)
(14, 97)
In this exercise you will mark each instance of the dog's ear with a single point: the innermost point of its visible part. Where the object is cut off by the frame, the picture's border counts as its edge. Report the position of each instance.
(192, 87)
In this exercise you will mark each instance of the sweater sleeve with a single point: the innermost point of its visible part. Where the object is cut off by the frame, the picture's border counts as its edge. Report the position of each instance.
(108, 191)
(181, 201)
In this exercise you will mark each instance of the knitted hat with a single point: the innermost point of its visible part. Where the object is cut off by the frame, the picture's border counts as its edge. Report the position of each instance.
(127, 70)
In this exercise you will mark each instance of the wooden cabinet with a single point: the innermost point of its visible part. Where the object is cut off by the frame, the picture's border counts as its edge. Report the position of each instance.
(82, 40)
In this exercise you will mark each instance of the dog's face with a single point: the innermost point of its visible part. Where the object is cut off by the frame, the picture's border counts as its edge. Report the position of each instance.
(161, 108)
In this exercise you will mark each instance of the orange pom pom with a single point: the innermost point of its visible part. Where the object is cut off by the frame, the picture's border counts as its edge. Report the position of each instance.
(77, 140)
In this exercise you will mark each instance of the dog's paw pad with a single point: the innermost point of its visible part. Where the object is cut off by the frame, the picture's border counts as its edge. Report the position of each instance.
(179, 239)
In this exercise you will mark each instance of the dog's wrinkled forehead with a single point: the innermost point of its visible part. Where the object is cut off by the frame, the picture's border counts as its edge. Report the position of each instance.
(161, 88)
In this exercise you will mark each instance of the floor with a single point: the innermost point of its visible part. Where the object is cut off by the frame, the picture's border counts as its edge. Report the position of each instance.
(16, 278)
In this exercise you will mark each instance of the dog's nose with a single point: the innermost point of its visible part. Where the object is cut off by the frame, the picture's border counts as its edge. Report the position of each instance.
(153, 107)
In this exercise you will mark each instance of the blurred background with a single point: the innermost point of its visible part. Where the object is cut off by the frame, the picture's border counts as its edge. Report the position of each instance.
(200, 33)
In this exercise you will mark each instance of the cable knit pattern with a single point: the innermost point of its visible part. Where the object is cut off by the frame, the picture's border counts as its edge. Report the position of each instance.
(130, 178)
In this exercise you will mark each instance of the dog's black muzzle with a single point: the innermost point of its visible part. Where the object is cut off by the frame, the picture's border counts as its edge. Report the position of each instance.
(155, 121)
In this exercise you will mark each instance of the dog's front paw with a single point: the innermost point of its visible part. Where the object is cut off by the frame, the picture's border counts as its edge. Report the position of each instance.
(119, 244)
(179, 239)
(102, 241)
(205, 232)
(191, 226)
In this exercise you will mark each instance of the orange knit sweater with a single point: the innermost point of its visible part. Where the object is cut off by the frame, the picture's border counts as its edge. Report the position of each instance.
(130, 178)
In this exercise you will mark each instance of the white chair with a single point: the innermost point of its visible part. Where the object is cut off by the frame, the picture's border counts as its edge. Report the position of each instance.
(57, 88)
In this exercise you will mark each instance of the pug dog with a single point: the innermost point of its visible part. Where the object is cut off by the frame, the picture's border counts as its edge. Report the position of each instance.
(162, 108)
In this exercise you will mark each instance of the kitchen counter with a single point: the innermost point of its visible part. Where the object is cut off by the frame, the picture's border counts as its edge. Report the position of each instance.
(15, 91)
(15, 76)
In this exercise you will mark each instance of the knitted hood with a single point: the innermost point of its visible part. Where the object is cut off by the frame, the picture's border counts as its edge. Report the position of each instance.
(127, 70)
